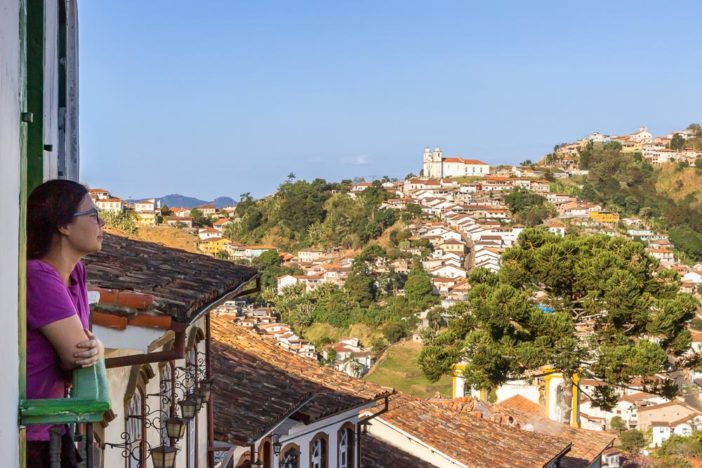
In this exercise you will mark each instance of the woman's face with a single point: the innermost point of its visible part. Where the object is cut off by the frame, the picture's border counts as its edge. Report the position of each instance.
(85, 232)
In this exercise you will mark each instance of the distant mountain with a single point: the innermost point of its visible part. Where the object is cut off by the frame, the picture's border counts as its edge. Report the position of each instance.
(221, 202)
(181, 201)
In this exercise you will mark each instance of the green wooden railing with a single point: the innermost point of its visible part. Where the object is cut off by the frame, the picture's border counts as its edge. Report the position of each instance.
(90, 398)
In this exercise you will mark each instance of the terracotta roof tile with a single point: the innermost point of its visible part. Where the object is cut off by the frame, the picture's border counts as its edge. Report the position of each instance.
(257, 385)
(180, 282)
(470, 439)
(525, 414)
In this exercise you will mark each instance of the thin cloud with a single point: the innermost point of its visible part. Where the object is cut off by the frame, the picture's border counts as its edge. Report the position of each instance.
(358, 160)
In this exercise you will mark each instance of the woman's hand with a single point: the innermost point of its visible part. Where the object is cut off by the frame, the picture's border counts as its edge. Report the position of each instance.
(91, 351)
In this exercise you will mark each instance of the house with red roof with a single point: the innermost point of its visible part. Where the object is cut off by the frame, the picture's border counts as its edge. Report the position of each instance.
(437, 167)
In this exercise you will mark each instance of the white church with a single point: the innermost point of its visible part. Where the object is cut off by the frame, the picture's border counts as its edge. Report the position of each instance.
(437, 167)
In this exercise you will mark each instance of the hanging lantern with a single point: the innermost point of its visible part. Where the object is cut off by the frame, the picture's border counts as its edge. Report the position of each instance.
(163, 456)
(206, 392)
(175, 427)
(199, 398)
(277, 446)
(188, 408)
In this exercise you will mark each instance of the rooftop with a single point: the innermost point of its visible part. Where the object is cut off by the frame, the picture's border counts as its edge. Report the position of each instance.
(470, 439)
(180, 282)
(257, 386)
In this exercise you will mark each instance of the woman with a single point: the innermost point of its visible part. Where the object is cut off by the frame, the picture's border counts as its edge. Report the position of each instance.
(63, 226)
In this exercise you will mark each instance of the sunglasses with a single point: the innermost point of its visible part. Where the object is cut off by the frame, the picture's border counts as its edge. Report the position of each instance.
(91, 212)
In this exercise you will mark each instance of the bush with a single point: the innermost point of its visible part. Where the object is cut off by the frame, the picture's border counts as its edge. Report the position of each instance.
(394, 332)
(123, 221)
(632, 441)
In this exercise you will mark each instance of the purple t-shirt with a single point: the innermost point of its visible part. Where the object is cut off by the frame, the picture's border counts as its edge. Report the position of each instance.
(49, 299)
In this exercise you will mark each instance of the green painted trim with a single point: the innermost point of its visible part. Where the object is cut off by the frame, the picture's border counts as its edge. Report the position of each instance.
(22, 257)
(35, 92)
(62, 411)
(89, 400)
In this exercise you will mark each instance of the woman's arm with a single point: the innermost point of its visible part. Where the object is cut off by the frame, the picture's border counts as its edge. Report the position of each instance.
(73, 345)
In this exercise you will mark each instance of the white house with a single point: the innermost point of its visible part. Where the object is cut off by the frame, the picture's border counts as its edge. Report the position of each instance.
(308, 256)
(448, 271)
(208, 233)
(685, 426)
(146, 206)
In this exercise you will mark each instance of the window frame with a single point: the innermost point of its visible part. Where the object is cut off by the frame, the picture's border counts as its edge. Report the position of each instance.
(349, 429)
(323, 439)
(138, 396)
(290, 447)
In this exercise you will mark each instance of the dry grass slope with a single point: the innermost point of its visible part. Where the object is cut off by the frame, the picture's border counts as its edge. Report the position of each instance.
(677, 184)
(169, 237)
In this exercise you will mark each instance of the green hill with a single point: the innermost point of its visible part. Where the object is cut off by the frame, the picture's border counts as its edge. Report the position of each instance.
(399, 368)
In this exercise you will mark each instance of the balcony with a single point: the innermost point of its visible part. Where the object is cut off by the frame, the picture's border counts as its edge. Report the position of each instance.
(89, 400)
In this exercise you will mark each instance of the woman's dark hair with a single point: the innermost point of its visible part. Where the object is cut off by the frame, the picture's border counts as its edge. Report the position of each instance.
(50, 206)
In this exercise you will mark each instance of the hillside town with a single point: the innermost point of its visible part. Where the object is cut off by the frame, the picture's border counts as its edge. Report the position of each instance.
(657, 150)
(465, 223)
(475, 312)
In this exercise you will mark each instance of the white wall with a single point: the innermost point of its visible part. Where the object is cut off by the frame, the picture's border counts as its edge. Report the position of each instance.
(302, 435)
(118, 379)
(9, 242)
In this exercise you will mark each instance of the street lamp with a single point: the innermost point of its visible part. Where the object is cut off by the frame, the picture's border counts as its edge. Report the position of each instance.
(199, 399)
(163, 456)
(188, 408)
(277, 446)
(175, 427)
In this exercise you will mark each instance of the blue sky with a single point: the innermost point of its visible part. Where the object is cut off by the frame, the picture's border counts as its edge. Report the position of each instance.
(224, 97)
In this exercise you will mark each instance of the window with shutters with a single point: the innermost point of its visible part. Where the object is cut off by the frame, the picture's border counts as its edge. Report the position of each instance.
(135, 429)
(345, 446)
(318, 451)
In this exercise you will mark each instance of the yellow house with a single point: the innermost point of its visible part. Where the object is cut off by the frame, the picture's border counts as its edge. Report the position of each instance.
(632, 147)
(146, 217)
(213, 246)
(604, 216)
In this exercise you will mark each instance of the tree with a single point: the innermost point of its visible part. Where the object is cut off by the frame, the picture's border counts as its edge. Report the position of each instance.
(418, 287)
(360, 285)
(199, 219)
(617, 424)
(632, 441)
(677, 445)
(166, 211)
(222, 255)
(434, 318)
(371, 253)
(436, 361)
(124, 221)
(394, 332)
(695, 128)
(605, 285)
(529, 208)
(677, 142)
